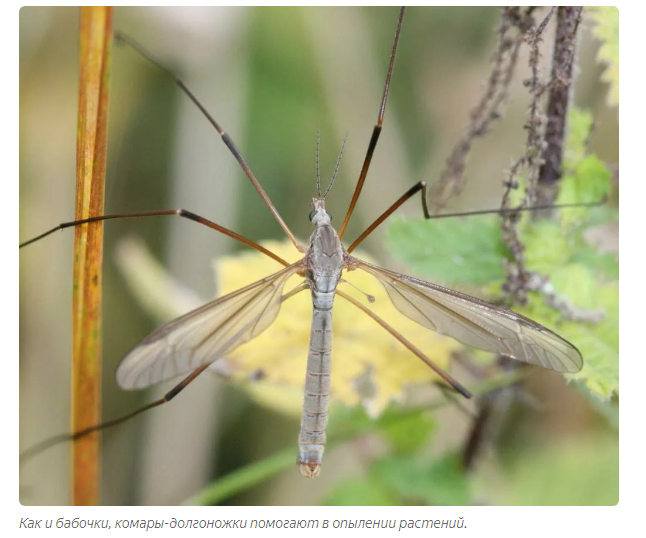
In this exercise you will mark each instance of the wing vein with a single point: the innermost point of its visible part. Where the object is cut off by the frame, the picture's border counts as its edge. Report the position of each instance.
(206, 334)
(475, 322)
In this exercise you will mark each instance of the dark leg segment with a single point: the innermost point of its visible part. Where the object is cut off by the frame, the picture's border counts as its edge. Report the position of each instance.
(225, 137)
(457, 386)
(164, 212)
(421, 186)
(52, 441)
(377, 129)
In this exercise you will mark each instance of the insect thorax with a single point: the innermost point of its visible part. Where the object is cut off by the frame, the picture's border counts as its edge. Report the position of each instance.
(325, 257)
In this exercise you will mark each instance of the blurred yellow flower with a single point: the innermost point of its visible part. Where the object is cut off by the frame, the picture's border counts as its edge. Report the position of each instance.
(369, 366)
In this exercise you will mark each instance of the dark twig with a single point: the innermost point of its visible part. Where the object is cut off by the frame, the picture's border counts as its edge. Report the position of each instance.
(568, 19)
(532, 159)
(540, 163)
(488, 110)
(493, 407)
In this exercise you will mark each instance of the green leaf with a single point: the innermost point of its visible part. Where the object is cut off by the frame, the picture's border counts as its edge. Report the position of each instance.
(593, 179)
(580, 275)
(453, 251)
(545, 246)
(606, 29)
(441, 482)
(590, 182)
(580, 124)
(597, 342)
(410, 433)
(471, 251)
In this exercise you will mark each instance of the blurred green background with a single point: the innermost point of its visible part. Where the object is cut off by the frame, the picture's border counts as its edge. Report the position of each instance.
(271, 77)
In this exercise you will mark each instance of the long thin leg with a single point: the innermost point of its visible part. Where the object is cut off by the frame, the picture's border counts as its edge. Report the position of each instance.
(52, 441)
(421, 186)
(301, 287)
(225, 137)
(377, 129)
(457, 386)
(452, 398)
(164, 212)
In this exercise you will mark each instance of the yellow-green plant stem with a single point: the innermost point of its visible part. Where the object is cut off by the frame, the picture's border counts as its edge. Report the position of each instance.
(95, 42)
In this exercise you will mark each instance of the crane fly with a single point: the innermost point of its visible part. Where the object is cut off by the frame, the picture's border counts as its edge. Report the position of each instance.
(192, 342)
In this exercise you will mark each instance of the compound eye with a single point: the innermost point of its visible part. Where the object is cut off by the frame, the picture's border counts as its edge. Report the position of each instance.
(312, 215)
(329, 215)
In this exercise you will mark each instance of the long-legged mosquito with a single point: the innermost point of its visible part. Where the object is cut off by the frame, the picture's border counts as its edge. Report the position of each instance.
(189, 344)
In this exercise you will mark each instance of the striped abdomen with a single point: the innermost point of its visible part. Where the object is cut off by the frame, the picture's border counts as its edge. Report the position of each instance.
(311, 440)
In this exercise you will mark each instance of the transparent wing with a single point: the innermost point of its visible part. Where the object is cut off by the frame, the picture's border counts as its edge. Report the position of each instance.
(206, 334)
(476, 323)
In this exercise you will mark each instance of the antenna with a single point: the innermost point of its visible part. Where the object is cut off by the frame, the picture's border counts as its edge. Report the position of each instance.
(318, 170)
(336, 166)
